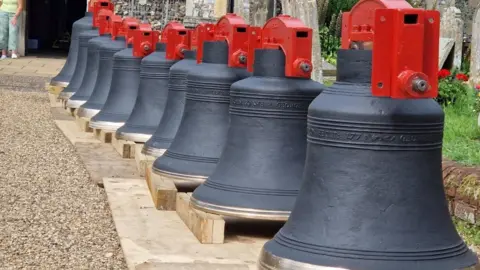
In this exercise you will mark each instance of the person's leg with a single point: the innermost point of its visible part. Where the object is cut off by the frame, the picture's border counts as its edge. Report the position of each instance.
(4, 23)
(12, 35)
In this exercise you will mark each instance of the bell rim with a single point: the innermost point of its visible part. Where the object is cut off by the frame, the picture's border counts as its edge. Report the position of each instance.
(65, 95)
(87, 113)
(239, 212)
(75, 103)
(180, 179)
(59, 83)
(269, 261)
(106, 125)
(134, 137)
(152, 151)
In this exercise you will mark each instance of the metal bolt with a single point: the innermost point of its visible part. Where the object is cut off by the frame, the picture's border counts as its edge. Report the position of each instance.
(419, 85)
(305, 67)
(242, 58)
(146, 48)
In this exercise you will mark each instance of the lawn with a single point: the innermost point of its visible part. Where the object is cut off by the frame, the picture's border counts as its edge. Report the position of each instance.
(461, 140)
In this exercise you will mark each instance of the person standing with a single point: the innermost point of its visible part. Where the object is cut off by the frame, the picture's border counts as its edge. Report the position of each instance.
(10, 11)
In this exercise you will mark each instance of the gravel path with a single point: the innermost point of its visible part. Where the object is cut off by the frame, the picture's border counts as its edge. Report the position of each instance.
(51, 215)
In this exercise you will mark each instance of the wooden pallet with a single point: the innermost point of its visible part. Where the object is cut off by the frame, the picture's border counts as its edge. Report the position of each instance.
(143, 161)
(102, 135)
(207, 228)
(83, 124)
(55, 102)
(126, 149)
(163, 191)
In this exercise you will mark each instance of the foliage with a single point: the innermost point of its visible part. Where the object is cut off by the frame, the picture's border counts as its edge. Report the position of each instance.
(451, 87)
(469, 232)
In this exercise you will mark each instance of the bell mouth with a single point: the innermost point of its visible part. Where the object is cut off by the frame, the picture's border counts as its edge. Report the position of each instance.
(239, 212)
(106, 126)
(134, 137)
(65, 95)
(184, 180)
(75, 103)
(268, 261)
(152, 151)
(59, 83)
(87, 113)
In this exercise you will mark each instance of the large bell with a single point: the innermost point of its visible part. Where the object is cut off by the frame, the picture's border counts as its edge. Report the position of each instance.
(124, 87)
(63, 78)
(260, 170)
(174, 108)
(153, 91)
(92, 64)
(106, 51)
(372, 197)
(201, 136)
(83, 38)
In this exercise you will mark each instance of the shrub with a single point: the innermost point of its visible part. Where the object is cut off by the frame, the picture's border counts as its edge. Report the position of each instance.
(452, 86)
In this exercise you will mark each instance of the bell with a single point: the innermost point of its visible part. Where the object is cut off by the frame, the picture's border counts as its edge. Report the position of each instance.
(65, 75)
(153, 90)
(92, 64)
(373, 195)
(260, 170)
(177, 87)
(106, 52)
(125, 80)
(83, 38)
(201, 136)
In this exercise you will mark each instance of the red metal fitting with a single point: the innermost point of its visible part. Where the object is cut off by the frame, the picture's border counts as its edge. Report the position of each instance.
(100, 5)
(254, 42)
(178, 42)
(90, 5)
(120, 26)
(144, 40)
(203, 32)
(405, 64)
(170, 25)
(293, 38)
(130, 26)
(104, 18)
(233, 29)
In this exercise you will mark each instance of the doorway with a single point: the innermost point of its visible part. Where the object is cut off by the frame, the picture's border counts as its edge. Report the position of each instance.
(49, 25)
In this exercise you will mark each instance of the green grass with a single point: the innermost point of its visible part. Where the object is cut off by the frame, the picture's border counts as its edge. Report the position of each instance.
(470, 233)
(461, 140)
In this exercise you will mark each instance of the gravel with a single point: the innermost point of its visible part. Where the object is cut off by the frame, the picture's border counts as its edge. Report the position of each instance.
(51, 215)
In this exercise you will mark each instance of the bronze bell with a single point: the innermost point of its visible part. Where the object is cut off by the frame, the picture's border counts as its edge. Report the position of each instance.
(125, 80)
(201, 136)
(91, 71)
(260, 170)
(106, 52)
(373, 195)
(153, 90)
(174, 108)
(83, 39)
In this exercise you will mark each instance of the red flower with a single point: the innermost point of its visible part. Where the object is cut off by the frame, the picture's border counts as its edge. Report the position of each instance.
(477, 86)
(443, 73)
(462, 77)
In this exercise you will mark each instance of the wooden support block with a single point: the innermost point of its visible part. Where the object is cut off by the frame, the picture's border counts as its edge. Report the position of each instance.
(163, 191)
(126, 149)
(83, 124)
(143, 161)
(54, 101)
(207, 228)
(103, 136)
(55, 90)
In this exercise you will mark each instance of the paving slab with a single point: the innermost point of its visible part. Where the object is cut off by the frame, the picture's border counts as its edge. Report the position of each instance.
(153, 239)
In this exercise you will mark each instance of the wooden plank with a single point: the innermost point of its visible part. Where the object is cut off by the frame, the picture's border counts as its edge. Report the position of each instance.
(143, 161)
(126, 149)
(73, 133)
(153, 239)
(163, 191)
(54, 101)
(207, 228)
(103, 136)
(83, 124)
